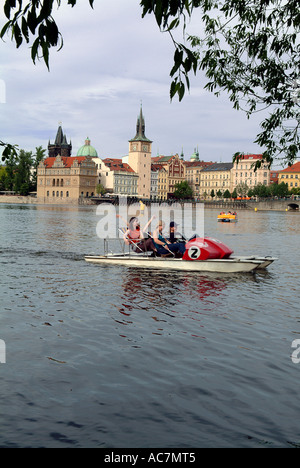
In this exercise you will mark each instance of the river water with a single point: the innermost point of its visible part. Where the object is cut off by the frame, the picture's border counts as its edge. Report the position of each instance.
(107, 356)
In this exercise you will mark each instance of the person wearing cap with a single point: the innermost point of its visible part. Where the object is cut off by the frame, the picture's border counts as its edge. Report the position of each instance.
(173, 232)
(174, 236)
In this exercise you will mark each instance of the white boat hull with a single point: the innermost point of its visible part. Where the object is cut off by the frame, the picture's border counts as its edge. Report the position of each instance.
(230, 265)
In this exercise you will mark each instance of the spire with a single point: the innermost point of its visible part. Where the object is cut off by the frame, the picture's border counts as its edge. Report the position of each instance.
(59, 136)
(60, 145)
(140, 125)
(140, 128)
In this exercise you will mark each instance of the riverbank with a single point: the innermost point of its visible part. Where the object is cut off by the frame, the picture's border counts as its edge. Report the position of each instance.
(30, 200)
(17, 199)
(261, 205)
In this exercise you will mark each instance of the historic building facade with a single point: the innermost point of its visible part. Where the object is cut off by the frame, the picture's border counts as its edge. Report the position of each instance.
(215, 177)
(193, 176)
(117, 177)
(65, 179)
(243, 172)
(290, 176)
(171, 173)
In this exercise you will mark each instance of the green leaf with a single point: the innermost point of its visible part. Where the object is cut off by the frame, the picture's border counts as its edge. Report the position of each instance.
(45, 48)
(25, 29)
(34, 49)
(5, 28)
(7, 8)
(17, 35)
(32, 21)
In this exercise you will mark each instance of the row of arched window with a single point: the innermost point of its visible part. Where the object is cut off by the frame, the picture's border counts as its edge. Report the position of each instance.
(58, 183)
(57, 194)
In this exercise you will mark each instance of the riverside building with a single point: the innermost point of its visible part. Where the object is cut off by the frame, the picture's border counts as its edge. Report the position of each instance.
(62, 178)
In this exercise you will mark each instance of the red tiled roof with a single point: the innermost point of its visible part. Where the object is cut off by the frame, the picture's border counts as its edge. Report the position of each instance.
(251, 156)
(157, 167)
(163, 159)
(117, 165)
(197, 163)
(68, 161)
(294, 168)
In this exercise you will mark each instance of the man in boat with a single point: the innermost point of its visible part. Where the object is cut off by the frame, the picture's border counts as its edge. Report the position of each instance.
(174, 236)
(163, 245)
(134, 236)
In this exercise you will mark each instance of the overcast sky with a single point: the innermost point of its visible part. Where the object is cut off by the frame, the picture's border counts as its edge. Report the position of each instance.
(113, 60)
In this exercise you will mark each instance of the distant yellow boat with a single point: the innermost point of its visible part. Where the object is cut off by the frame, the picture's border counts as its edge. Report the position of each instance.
(227, 217)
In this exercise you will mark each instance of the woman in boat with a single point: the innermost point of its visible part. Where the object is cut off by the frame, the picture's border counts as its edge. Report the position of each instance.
(164, 246)
(135, 236)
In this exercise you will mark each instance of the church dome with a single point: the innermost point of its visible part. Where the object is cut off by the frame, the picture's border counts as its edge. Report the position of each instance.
(87, 150)
(195, 156)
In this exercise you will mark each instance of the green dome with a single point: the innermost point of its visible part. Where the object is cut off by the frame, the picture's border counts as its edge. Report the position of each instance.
(87, 150)
(195, 156)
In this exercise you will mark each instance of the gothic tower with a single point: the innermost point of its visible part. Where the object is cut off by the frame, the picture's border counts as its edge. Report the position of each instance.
(61, 146)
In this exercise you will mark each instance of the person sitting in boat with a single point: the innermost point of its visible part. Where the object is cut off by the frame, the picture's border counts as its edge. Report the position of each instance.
(164, 246)
(174, 236)
(134, 236)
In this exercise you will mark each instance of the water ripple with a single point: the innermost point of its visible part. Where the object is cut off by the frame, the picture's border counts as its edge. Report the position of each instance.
(119, 357)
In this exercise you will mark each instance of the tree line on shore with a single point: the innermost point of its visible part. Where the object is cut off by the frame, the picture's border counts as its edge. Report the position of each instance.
(184, 191)
(19, 174)
(260, 190)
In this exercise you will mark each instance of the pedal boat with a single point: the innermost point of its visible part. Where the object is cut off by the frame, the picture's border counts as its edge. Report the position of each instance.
(201, 255)
(227, 217)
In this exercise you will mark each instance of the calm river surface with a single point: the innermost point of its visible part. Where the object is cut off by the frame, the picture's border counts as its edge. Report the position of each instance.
(115, 357)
